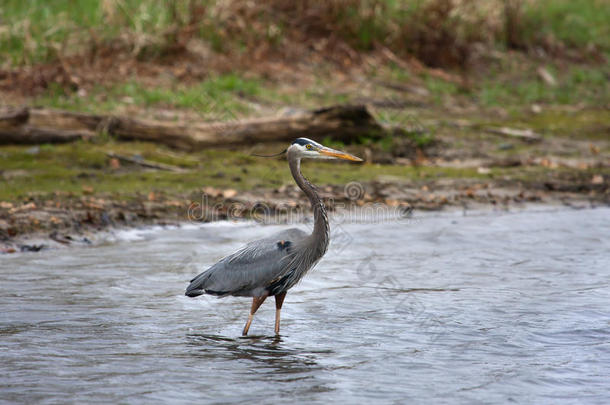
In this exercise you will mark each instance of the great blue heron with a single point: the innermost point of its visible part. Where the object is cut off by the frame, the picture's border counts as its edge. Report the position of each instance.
(273, 265)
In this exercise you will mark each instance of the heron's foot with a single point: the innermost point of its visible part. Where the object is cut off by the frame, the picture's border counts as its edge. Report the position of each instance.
(247, 327)
(256, 303)
(277, 322)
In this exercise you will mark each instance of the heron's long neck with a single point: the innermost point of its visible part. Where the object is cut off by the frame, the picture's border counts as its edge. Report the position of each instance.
(321, 229)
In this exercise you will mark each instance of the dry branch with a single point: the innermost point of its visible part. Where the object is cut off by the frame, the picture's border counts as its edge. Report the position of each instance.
(525, 134)
(145, 163)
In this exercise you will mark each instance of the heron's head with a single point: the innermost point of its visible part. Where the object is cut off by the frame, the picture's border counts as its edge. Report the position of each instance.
(306, 148)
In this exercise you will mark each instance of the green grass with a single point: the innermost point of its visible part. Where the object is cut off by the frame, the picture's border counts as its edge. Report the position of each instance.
(439, 89)
(577, 23)
(591, 124)
(31, 30)
(578, 84)
(34, 31)
(216, 97)
(70, 167)
(411, 126)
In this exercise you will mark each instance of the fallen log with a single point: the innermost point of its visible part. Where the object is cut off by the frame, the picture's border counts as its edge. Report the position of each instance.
(65, 119)
(343, 122)
(13, 117)
(28, 135)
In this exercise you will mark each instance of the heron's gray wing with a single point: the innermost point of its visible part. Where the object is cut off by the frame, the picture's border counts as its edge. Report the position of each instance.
(249, 270)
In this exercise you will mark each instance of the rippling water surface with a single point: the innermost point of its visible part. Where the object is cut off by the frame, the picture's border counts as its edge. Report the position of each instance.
(446, 308)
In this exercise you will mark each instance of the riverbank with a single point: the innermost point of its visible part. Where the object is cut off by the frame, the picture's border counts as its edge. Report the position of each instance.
(507, 125)
(66, 220)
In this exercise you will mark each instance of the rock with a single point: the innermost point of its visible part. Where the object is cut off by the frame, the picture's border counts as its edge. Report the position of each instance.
(24, 207)
(212, 192)
(31, 248)
(34, 150)
(597, 179)
(229, 193)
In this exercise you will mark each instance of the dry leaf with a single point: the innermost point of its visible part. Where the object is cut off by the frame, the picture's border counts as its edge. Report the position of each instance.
(594, 149)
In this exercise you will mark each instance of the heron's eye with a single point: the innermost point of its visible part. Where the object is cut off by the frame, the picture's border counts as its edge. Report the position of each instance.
(308, 146)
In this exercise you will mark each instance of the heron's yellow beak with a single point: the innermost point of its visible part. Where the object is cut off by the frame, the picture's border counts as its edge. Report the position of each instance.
(338, 154)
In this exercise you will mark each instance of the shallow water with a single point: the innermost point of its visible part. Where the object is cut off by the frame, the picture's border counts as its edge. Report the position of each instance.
(482, 308)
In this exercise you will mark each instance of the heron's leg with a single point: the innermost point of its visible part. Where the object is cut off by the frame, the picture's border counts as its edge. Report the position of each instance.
(256, 303)
(279, 300)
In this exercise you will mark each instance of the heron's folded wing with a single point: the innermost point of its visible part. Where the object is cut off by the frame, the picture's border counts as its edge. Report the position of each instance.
(255, 265)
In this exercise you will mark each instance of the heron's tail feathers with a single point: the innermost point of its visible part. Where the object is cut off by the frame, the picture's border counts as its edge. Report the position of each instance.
(194, 292)
(196, 287)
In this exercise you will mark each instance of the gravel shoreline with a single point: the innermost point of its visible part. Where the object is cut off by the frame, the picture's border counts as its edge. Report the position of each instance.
(43, 223)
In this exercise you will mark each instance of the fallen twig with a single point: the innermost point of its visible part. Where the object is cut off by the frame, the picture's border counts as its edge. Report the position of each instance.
(145, 163)
(525, 134)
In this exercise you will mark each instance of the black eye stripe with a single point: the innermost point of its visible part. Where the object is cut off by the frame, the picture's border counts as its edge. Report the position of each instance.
(303, 141)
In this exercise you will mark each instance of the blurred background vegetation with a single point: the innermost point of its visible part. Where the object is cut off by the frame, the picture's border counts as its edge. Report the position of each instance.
(437, 32)
(443, 70)
(494, 47)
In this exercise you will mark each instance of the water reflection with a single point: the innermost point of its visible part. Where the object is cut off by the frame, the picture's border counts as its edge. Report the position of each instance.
(265, 352)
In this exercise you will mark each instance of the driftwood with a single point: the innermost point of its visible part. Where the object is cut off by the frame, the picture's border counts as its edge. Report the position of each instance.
(26, 134)
(43, 125)
(12, 117)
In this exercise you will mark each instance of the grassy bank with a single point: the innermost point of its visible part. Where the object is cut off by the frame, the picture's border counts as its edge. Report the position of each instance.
(572, 141)
(84, 169)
